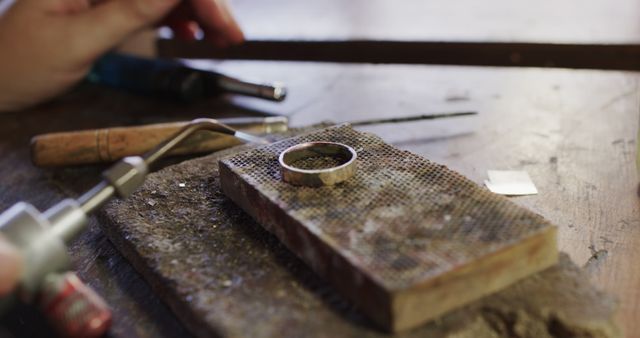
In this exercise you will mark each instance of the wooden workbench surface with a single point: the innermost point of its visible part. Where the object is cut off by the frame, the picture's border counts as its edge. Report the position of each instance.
(573, 131)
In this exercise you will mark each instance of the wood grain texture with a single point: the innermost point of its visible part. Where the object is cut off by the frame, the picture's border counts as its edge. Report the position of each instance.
(111, 144)
(106, 145)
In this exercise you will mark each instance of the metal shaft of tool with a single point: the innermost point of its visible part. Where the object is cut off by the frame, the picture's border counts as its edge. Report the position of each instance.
(198, 124)
(102, 192)
(410, 118)
(270, 91)
(97, 196)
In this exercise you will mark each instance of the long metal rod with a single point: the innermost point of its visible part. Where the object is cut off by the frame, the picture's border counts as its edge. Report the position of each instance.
(96, 197)
(198, 124)
(269, 91)
(410, 118)
(589, 56)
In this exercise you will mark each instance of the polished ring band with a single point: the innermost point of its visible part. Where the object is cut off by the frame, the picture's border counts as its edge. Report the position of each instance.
(317, 177)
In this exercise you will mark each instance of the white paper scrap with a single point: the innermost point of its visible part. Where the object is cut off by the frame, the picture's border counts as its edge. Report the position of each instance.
(510, 182)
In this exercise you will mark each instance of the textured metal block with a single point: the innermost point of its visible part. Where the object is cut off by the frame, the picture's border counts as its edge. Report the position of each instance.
(405, 239)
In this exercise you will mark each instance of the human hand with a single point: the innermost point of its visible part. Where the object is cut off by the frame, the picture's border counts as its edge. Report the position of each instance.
(213, 17)
(10, 266)
(49, 45)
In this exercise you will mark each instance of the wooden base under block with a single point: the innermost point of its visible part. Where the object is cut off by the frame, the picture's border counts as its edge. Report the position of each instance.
(405, 239)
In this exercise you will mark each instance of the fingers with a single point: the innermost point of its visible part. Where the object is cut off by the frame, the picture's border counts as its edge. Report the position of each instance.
(10, 266)
(217, 22)
(110, 22)
(62, 7)
(180, 20)
(185, 30)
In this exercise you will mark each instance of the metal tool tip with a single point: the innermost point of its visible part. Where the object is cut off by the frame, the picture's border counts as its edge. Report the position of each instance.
(279, 92)
(250, 138)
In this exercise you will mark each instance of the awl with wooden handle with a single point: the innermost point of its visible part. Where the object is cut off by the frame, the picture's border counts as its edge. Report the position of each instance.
(111, 144)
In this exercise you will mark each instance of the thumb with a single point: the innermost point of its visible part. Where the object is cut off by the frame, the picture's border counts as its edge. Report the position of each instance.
(110, 22)
(10, 266)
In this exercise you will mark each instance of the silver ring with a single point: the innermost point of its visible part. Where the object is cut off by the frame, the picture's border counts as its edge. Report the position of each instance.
(345, 169)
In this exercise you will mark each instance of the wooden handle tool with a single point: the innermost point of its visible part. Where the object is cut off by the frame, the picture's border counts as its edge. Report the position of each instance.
(111, 144)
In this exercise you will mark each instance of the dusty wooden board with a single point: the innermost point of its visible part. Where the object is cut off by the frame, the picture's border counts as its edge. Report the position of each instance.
(406, 239)
(223, 275)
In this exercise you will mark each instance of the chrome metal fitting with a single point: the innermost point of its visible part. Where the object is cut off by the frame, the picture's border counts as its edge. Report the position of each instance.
(127, 175)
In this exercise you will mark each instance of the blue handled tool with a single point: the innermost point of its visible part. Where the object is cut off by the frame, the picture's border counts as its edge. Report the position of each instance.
(171, 79)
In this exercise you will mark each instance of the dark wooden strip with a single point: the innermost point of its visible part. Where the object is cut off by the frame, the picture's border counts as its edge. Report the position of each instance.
(612, 57)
